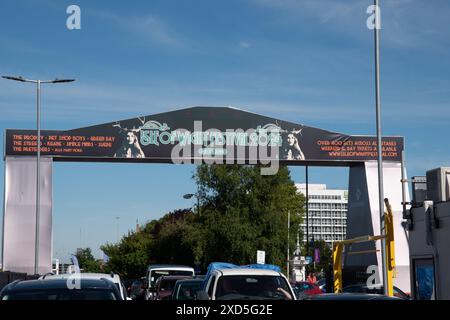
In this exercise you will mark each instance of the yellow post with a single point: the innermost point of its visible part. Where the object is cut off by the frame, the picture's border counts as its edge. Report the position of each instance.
(390, 247)
(337, 266)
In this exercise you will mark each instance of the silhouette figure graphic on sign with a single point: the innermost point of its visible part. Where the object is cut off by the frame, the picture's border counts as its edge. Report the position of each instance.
(130, 147)
(292, 150)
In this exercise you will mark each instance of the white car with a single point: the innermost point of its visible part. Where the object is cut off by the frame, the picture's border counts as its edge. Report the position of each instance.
(114, 278)
(155, 271)
(245, 283)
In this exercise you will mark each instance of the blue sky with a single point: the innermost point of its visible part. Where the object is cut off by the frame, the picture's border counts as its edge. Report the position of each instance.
(304, 61)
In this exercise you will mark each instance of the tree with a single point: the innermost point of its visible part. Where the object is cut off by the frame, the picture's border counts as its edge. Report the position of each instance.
(160, 241)
(131, 256)
(87, 261)
(325, 256)
(243, 211)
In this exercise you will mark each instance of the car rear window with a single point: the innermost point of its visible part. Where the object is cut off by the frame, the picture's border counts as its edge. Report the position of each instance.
(254, 286)
(62, 295)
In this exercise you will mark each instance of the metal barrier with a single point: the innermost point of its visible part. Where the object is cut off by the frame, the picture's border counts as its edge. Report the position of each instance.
(338, 248)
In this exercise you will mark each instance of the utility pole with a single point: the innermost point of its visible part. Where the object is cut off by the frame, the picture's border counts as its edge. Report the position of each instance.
(289, 227)
(307, 211)
(379, 145)
(38, 83)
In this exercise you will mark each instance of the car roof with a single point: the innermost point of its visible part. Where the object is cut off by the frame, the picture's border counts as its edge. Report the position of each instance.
(163, 278)
(363, 285)
(247, 271)
(351, 296)
(111, 277)
(168, 266)
(187, 281)
(55, 284)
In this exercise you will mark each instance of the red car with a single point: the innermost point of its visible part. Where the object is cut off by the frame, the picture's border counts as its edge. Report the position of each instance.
(164, 286)
(303, 289)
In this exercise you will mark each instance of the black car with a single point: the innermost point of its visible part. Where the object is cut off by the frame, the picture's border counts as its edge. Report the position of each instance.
(350, 296)
(186, 289)
(362, 288)
(61, 289)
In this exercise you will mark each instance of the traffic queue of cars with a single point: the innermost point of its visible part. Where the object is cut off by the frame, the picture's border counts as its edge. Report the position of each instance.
(58, 289)
(223, 281)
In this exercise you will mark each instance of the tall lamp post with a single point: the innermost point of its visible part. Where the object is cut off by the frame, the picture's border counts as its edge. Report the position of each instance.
(117, 228)
(38, 158)
(379, 144)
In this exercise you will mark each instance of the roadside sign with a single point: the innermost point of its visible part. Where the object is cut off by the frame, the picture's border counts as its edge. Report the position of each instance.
(260, 257)
(298, 262)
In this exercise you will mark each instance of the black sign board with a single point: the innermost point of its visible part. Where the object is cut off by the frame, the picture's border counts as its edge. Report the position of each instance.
(202, 134)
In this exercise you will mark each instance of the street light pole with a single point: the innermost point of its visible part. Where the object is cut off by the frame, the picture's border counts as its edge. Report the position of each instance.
(379, 145)
(38, 175)
(38, 155)
(117, 228)
(307, 210)
(288, 234)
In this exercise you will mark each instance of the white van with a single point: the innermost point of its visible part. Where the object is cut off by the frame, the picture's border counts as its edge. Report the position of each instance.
(155, 271)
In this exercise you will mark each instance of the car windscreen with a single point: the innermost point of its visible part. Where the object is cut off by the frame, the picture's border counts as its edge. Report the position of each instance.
(62, 294)
(252, 287)
(167, 284)
(188, 291)
(155, 274)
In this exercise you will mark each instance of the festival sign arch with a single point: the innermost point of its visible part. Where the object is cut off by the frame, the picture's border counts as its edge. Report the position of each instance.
(194, 135)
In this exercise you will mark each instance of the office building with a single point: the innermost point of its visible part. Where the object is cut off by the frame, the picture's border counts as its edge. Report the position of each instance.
(327, 213)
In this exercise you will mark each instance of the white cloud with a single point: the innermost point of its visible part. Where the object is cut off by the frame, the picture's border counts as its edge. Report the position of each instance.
(245, 44)
(405, 23)
(15, 45)
(150, 28)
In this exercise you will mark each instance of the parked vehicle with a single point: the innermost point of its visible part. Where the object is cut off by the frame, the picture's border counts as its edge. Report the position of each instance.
(157, 270)
(57, 289)
(363, 288)
(164, 286)
(137, 289)
(127, 284)
(350, 296)
(303, 289)
(186, 289)
(229, 282)
(322, 283)
(113, 277)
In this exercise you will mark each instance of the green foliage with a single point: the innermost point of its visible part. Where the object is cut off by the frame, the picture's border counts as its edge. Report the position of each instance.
(241, 212)
(326, 256)
(158, 242)
(87, 261)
